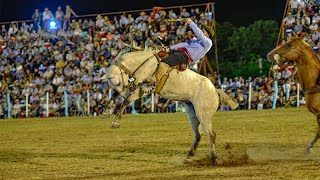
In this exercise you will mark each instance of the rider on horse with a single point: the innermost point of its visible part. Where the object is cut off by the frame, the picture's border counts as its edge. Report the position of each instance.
(193, 50)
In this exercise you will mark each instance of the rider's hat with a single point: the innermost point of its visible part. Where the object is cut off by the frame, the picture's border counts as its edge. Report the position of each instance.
(209, 30)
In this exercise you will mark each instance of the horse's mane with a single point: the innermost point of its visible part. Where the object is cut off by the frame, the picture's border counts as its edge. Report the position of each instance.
(306, 47)
(136, 55)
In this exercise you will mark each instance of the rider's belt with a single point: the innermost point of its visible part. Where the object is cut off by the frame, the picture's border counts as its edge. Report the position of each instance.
(186, 53)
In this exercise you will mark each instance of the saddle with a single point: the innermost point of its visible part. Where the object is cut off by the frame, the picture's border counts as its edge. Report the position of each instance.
(164, 70)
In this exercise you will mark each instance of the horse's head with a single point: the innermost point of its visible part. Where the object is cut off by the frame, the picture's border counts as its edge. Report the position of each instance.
(289, 51)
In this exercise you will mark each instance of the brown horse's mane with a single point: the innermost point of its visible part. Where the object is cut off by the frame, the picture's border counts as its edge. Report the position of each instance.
(306, 48)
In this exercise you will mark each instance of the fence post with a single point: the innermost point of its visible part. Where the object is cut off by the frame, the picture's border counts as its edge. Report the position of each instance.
(152, 102)
(9, 105)
(298, 95)
(133, 111)
(110, 96)
(287, 93)
(274, 103)
(47, 104)
(249, 97)
(110, 93)
(27, 107)
(177, 106)
(88, 102)
(66, 113)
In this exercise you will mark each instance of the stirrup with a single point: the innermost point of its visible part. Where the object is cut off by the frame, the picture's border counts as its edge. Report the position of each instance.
(131, 79)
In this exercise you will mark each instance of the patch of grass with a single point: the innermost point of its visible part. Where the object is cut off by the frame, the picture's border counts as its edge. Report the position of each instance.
(250, 144)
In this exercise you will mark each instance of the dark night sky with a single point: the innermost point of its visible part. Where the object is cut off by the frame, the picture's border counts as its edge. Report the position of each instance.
(237, 12)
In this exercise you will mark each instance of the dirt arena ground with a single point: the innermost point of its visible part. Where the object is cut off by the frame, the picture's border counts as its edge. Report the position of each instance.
(250, 144)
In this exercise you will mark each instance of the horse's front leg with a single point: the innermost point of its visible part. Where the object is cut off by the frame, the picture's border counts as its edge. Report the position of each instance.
(115, 122)
(132, 97)
(315, 139)
(106, 112)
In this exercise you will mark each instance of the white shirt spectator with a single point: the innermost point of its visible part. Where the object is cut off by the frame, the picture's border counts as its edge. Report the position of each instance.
(315, 36)
(69, 56)
(13, 30)
(181, 31)
(100, 23)
(302, 4)
(289, 20)
(47, 15)
(172, 15)
(48, 88)
(123, 21)
(59, 14)
(316, 18)
(68, 72)
(142, 26)
(76, 72)
(89, 46)
(90, 64)
(294, 4)
(130, 19)
(102, 71)
(313, 27)
(184, 13)
(306, 20)
(286, 74)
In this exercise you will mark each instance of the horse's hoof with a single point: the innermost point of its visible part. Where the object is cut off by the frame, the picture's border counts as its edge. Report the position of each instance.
(187, 161)
(214, 161)
(115, 125)
(307, 152)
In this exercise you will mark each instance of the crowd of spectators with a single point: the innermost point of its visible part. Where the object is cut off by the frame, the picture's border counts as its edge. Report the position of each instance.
(302, 16)
(37, 59)
(72, 57)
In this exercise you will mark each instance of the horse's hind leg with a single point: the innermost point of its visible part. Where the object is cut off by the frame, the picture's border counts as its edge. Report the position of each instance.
(315, 139)
(194, 122)
(205, 115)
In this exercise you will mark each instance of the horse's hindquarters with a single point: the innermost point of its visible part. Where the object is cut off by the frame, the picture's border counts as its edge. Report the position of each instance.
(191, 86)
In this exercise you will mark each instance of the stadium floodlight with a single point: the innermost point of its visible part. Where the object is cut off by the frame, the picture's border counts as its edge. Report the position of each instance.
(53, 24)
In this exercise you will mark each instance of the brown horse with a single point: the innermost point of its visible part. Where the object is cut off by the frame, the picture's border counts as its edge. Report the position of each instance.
(300, 52)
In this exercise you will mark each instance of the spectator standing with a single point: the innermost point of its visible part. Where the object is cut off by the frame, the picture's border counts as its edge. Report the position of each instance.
(67, 16)
(184, 13)
(59, 16)
(36, 17)
(46, 17)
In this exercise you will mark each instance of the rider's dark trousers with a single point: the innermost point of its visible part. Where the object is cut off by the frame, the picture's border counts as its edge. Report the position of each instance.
(176, 58)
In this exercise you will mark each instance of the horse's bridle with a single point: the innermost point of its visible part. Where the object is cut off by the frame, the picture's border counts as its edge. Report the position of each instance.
(131, 85)
(288, 47)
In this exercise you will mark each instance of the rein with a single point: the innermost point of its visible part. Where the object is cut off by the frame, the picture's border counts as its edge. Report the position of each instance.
(131, 84)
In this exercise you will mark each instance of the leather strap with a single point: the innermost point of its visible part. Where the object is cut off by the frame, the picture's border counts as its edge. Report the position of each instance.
(312, 90)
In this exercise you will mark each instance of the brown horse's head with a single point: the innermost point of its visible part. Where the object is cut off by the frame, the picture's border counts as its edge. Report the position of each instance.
(289, 51)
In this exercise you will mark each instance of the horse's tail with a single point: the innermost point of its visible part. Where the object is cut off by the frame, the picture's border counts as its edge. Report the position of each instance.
(227, 100)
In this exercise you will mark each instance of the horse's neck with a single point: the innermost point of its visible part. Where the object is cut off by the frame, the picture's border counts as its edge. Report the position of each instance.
(134, 60)
(308, 71)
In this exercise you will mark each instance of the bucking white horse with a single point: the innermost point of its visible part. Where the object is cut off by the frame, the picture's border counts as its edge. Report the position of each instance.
(132, 71)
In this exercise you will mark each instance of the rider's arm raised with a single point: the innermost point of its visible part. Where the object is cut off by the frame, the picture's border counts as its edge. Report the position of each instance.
(205, 40)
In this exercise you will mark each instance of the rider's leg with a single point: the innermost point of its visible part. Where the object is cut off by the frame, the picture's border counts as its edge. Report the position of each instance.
(176, 58)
